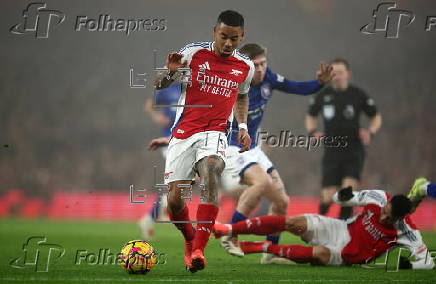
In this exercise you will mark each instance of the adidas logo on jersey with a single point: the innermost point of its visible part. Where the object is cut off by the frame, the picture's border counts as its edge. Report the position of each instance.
(167, 175)
(204, 229)
(204, 66)
(235, 72)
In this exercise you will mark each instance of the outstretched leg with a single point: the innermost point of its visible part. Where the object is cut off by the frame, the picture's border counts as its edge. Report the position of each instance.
(279, 201)
(301, 254)
(209, 169)
(263, 225)
(272, 224)
(178, 213)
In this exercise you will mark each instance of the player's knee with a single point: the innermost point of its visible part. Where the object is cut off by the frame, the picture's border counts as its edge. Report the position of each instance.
(265, 183)
(296, 225)
(211, 164)
(175, 204)
(321, 255)
(280, 207)
(284, 202)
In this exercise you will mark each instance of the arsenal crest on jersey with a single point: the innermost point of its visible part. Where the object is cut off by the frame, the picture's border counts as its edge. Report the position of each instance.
(265, 91)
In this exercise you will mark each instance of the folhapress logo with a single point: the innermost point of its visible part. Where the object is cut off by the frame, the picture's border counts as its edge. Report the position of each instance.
(39, 254)
(386, 18)
(38, 20)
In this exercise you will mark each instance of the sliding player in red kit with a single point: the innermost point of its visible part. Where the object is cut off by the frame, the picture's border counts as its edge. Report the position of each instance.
(220, 81)
(383, 224)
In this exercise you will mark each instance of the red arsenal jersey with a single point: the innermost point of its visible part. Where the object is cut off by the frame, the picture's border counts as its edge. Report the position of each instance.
(215, 84)
(370, 238)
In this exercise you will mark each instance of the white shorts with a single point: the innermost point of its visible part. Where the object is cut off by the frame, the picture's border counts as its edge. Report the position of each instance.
(329, 232)
(164, 151)
(184, 153)
(237, 163)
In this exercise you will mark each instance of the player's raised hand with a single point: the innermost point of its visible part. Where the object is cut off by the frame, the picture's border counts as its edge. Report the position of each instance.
(158, 142)
(324, 75)
(244, 140)
(174, 61)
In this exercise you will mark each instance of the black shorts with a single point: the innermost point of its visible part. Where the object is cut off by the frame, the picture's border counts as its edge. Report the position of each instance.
(336, 165)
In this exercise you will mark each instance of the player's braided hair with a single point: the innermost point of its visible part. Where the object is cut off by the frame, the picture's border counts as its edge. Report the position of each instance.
(401, 206)
(252, 50)
(231, 18)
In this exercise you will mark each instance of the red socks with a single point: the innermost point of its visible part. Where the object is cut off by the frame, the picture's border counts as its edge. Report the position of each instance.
(254, 247)
(297, 253)
(186, 228)
(264, 225)
(205, 212)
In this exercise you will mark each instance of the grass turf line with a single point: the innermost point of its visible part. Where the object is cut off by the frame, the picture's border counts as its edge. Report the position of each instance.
(222, 268)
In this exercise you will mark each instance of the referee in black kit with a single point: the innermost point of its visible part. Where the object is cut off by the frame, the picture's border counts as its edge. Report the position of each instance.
(341, 105)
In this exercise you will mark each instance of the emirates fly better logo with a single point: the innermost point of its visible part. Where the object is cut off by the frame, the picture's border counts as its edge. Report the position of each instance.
(38, 20)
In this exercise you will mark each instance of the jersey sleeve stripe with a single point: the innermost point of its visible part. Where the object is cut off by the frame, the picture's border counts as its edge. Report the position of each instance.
(405, 231)
(242, 55)
(195, 44)
(376, 196)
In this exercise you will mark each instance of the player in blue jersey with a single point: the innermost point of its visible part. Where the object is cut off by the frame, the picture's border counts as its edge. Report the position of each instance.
(252, 169)
(163, 116)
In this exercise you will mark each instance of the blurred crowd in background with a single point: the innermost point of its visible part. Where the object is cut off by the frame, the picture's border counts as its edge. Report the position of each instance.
(69, 120)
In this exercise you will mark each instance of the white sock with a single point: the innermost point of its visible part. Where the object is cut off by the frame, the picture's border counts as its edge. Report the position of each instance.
(265, 247)
(229, 234)
(423, 188)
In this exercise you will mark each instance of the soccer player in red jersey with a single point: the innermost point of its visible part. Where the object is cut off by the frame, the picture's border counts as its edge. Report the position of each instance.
(383, 224)
(220, 81)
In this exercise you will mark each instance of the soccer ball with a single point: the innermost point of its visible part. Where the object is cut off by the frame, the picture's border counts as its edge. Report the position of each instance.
(137, 257)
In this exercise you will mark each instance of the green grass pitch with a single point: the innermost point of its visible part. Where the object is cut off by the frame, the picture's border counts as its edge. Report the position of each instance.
(222, 268)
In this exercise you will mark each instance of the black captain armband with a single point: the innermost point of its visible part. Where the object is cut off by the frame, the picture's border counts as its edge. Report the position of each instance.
(345, 194)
